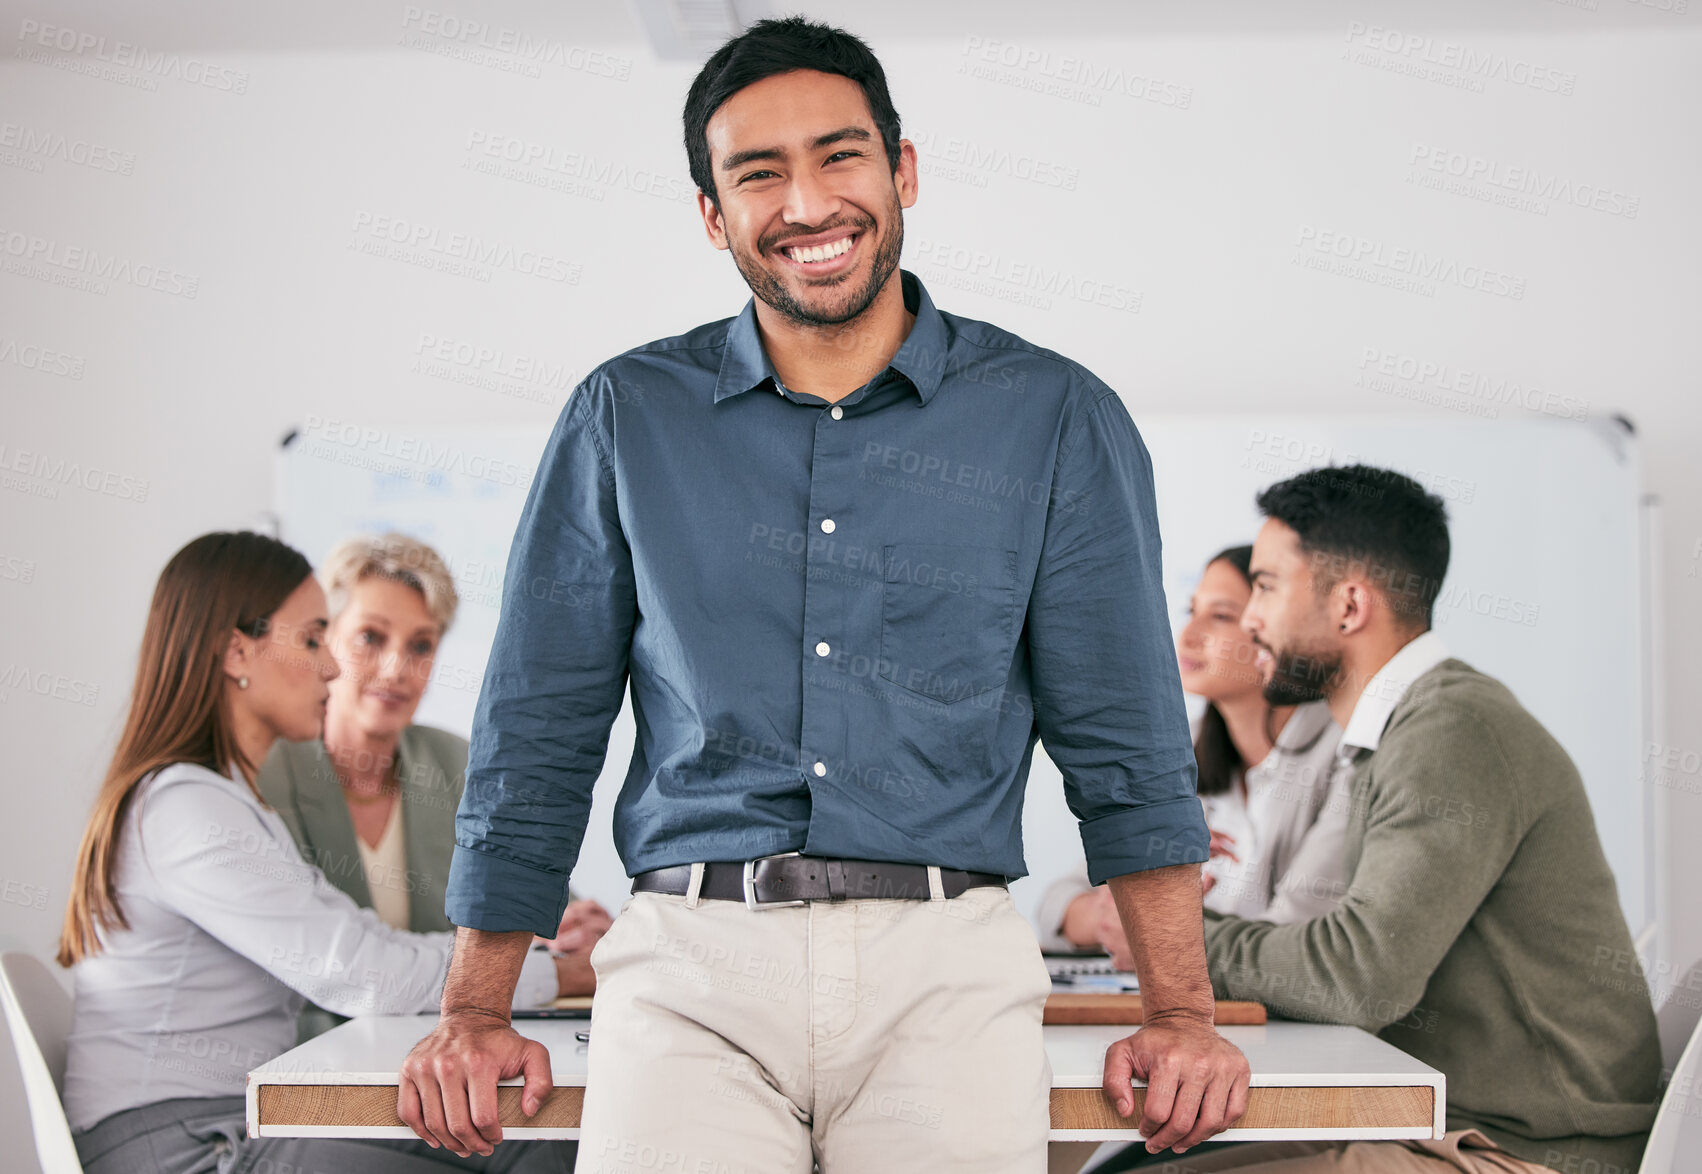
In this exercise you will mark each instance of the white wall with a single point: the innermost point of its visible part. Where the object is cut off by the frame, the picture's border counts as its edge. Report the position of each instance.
(1200, 202)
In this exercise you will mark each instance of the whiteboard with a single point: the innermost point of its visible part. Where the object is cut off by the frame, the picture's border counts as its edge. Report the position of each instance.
(1544, 590)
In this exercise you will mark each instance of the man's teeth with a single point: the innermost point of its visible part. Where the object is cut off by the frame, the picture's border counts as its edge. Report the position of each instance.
(821, 252)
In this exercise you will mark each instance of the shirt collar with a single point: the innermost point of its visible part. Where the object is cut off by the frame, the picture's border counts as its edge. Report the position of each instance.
(1386, 688)
(921, 358)
(1303, 727)
(1298, 735)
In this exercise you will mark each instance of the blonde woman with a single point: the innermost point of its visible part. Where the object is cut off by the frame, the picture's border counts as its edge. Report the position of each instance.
(195, 930)
(372, 802)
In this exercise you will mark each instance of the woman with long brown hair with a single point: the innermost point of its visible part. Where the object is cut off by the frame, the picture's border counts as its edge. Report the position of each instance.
(195, 929)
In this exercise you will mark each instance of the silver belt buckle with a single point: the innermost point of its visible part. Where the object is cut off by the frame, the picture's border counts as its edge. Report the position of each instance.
(751, 902)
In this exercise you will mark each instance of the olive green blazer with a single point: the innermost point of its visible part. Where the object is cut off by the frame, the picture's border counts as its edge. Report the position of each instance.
(298, 779)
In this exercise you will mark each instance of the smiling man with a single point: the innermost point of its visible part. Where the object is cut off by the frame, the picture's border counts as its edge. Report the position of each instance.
(855, 554)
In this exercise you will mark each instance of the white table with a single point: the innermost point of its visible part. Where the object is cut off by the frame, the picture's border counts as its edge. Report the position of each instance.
(1309, 1082)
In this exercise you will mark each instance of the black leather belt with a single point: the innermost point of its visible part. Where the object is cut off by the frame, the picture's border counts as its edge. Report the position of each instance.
(793, 879)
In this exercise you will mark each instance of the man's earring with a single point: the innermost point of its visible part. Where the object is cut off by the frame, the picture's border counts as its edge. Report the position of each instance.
(242, 682)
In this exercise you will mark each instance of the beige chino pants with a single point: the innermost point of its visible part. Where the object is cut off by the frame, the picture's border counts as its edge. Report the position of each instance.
(865, 1035)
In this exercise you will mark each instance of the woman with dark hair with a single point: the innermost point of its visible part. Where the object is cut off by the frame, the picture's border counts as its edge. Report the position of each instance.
(195, 929)
(1264, 780)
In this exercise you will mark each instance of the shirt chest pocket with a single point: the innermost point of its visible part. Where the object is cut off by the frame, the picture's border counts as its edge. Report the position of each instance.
(948, 618)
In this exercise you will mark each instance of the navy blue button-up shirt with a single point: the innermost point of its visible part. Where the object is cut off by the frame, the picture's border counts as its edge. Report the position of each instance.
(844, 624)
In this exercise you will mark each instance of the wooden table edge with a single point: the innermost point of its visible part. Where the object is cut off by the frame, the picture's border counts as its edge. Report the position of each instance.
(1274, 1111)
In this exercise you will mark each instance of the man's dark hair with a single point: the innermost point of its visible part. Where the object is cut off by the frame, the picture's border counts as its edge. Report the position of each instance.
(776, 46)
(1376, 521)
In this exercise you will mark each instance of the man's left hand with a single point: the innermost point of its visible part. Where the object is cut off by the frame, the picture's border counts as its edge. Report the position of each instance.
(1196, 1081)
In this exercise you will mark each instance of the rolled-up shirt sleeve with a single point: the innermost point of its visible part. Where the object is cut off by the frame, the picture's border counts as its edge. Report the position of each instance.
(552, 687)
(1107, 694)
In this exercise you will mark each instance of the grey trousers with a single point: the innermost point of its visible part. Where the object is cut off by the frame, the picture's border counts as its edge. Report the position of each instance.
(209, 1136)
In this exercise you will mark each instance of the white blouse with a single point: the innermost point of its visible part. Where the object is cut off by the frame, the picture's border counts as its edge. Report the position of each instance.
(1288, 827)
(229, 931)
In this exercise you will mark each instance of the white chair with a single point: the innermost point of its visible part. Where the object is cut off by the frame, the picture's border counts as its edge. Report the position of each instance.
(1677, 1130)
(38, 1016)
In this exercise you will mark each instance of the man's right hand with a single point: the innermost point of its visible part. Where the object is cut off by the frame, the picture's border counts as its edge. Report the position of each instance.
(447, 1093)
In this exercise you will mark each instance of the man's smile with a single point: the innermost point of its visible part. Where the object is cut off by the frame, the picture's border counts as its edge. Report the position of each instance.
(822, 253)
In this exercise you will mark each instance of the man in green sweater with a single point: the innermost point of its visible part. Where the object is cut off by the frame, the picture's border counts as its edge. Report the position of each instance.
(1480, 929)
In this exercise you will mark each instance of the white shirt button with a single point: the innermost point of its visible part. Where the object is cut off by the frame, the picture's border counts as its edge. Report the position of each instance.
(827, 525)
(838, 413)
(822, 649)
(821, 769)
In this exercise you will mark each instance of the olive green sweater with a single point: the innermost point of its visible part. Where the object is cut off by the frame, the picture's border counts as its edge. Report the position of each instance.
(1481, 932)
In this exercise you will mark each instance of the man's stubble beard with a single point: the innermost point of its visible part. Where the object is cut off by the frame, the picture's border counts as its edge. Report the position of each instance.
(774, 293)
(1301, 677)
